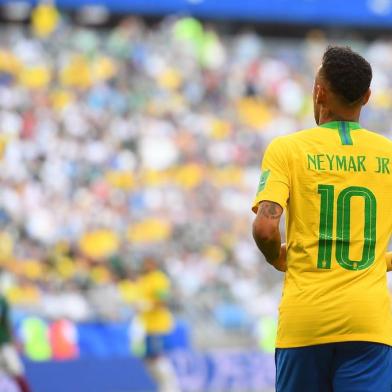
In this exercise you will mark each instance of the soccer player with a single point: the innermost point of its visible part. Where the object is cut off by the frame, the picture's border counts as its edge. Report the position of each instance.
(158, 323)
(335, 183)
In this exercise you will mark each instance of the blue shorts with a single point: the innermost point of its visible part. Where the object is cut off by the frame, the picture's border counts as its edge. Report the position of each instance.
(155, 346)
(335, 367)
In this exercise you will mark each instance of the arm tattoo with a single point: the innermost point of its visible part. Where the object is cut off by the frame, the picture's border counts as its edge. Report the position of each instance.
(270, 210)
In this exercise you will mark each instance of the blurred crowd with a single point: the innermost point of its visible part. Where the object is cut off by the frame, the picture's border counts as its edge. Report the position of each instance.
(146, 139)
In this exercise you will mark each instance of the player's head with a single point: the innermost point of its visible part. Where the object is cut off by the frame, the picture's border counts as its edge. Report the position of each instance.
(150, 264)
(342, 83)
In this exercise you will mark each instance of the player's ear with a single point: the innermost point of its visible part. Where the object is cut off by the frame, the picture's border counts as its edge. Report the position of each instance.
(366, 97)
(319, 94)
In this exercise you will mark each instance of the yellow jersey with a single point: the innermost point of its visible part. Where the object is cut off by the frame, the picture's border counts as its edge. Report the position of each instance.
(154, 290)
(335, 183)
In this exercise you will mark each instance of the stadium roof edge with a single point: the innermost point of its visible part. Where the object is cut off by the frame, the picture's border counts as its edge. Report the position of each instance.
(348, 13)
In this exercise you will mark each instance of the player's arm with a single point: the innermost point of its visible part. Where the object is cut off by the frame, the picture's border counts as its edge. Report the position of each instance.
(389, 261)
(162, 292)
(266, 234)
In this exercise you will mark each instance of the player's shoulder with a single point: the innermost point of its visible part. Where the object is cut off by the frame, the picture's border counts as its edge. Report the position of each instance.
(287, 141)
(376, 137)
(285, 145)
(159, 277)
(303, 134)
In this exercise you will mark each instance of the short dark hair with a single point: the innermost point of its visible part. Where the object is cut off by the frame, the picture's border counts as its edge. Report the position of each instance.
(347, 72)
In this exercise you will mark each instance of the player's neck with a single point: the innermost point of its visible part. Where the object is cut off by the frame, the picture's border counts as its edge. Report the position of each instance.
(338, 118)
(329, 116)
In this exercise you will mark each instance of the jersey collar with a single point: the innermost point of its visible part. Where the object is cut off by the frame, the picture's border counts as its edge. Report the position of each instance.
(351, 125)
(344, 128)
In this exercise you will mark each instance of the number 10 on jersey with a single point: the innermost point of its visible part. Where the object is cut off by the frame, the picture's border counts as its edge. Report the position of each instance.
(342, 237)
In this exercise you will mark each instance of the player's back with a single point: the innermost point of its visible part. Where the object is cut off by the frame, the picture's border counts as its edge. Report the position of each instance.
(339, 221)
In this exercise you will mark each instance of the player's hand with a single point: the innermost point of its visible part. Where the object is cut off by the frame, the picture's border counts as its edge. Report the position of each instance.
(281, 262)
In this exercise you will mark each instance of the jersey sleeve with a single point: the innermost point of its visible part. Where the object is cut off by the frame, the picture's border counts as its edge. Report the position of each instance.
(274, 182)
(162, 287)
